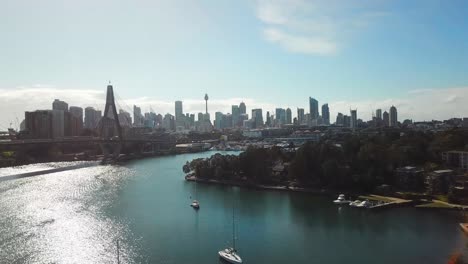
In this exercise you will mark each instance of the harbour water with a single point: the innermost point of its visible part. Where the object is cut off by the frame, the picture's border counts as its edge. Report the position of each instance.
(77, 216)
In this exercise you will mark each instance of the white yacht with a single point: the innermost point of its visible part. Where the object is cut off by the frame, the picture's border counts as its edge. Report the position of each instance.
(341, 200)
(230, 255)
(355, 203)
(195, 204)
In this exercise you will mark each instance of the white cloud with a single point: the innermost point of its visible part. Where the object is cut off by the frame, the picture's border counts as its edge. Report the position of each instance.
(298, 44)
(313, 26)
(423, 104)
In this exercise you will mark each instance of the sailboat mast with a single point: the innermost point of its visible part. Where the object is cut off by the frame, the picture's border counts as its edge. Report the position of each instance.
(233, 229)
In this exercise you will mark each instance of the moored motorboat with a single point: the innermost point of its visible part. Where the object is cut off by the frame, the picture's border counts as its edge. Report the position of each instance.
(195, 204)
(341, 200)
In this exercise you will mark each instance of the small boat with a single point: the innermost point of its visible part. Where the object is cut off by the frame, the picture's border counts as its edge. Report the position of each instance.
(464, 227)
(355, 203)
(195, 204)
(341, 200)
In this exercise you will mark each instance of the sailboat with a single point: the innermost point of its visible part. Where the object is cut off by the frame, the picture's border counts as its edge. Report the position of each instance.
(195, 204)
(230, 254)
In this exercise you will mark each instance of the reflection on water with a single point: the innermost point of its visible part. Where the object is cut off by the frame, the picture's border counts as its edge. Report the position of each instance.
(77, 216)
(59, 217)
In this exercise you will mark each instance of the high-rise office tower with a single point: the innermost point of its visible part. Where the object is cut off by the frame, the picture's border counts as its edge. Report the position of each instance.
(178, 110)
(386, 118)
(326, 114)
(313, 108)
(76, 120)
(200, 117)
(90, 118)
(280, 116)
(300, 116)
(288, 116)
(242, 108)
(59, 105)
(393, 116)
(235, 111)
(353, 120)
(257, 116)
(339, 119)
(268, 119)
(378, 114)
(137, 116)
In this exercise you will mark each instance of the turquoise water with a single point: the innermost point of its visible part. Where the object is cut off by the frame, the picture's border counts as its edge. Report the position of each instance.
(77, 217)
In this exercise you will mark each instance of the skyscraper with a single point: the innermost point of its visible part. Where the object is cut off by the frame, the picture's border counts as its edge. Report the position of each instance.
(268, 119)
(386, 118)
(235, 110)
(137, 117)
(313, 108)
(76, 120)
(90, 118)
(288, 116)
(59, 105)
(326, 114)
(339, 119)
(218, 122)
(257, 116)
(378, 114)
(280, 116)
(393, 116)
(242, 108)
(300, 116)
(353, 120)
(178, 110)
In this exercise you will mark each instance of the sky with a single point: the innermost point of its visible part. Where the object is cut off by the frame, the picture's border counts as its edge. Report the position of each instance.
(364, 54)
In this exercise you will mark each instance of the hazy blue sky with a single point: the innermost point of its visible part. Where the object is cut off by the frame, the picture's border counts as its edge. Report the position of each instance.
(350, 53)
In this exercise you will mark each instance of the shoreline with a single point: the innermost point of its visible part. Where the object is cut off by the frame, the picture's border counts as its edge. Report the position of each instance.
(391, 201)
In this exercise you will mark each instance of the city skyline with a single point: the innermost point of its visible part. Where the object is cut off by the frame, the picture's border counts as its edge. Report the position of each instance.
(96, 99)
(362, 54)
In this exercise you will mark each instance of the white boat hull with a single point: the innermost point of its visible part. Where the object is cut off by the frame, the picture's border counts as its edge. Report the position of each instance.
(195, 205)
(341, 202)
(229, 256)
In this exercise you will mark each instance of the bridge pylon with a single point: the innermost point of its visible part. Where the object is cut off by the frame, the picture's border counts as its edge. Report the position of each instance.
(109, 128)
